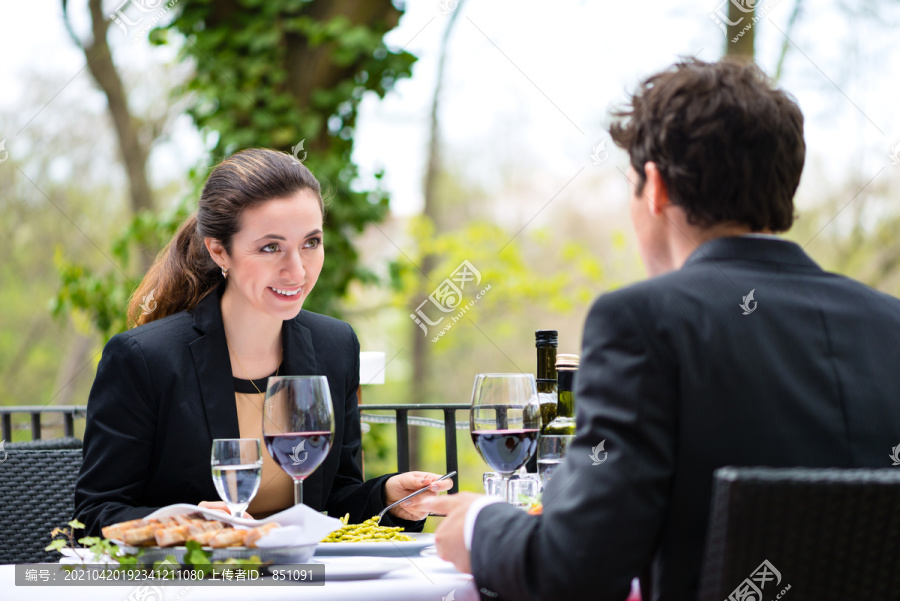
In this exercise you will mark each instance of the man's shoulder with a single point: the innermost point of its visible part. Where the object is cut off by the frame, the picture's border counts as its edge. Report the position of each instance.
(660, 291)
(724, 286)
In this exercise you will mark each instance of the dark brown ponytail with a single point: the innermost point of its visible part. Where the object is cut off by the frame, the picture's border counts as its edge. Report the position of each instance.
(184, 273)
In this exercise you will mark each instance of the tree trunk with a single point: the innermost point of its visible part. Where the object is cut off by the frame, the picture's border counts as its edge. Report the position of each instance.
(419, 389)
(740, 30)
(72, 365)
(103, 70)
(313, 68)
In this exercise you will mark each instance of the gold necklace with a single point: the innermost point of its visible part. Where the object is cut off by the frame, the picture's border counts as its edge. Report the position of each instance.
(243, 369)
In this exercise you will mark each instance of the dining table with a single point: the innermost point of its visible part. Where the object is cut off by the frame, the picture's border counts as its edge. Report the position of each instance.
(413, 577)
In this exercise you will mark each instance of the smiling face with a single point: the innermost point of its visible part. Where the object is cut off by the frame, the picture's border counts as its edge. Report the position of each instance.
(275, 257)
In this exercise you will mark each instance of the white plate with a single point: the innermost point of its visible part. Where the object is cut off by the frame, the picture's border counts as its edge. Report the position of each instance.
(379, 549)
(353, 568)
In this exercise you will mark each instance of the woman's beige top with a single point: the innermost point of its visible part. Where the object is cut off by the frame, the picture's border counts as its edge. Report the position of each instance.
(276, 490)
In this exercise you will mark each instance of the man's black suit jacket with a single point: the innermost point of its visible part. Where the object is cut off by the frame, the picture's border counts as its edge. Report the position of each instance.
(678, 381)
(165, 390)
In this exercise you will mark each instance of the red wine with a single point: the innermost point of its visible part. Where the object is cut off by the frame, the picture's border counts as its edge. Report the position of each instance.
(505, 450)
(299, 453)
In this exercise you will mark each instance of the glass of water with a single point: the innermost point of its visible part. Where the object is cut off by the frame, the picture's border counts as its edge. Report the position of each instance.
(551, 452)
(524, 489)
(236, 471)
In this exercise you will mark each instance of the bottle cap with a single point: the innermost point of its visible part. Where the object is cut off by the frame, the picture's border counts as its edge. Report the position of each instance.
(567, 361)
(546, 338)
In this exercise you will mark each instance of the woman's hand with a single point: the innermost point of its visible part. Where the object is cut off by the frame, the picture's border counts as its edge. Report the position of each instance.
(407, 483)
(221, 506)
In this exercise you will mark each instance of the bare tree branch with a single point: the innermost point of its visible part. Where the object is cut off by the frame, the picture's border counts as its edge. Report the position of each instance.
(786, 43)
(421, 349)
(102, 68)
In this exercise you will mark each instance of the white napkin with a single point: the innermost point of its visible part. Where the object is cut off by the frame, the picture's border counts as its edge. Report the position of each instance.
(286, 536)
(371, 368)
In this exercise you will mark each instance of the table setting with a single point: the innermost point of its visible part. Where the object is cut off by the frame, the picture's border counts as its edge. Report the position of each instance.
(364, 561)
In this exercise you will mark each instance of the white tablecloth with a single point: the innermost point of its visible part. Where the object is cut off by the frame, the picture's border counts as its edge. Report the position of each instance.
(424, 579)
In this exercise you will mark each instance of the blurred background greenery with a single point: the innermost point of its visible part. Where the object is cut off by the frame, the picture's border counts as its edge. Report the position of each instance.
(90, 190)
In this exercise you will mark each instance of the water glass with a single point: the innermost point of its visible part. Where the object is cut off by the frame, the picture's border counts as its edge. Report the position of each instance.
(493, 485)
(236, 471)
(551, 452)
(523, 489)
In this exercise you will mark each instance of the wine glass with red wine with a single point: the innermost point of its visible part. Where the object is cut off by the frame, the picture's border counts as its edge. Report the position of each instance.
(504, 421)
(298, 425)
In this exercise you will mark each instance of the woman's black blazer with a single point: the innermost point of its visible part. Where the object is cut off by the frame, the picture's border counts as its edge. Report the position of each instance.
(165, 390)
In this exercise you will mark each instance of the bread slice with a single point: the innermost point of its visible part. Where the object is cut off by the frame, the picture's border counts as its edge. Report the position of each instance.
(117, 531)
(173, 535)
(141, 536)
(229, 537)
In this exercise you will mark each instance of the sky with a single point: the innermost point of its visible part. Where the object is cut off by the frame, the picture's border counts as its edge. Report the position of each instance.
(528, 83)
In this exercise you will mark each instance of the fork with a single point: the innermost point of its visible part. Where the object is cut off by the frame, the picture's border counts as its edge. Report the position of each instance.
(418, 492)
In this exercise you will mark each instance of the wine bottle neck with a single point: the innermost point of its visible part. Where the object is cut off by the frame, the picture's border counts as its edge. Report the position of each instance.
(546, 363)
(565, 383)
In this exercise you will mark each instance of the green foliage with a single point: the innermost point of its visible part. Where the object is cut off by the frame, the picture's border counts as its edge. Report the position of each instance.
(511, 264)
(102, 298)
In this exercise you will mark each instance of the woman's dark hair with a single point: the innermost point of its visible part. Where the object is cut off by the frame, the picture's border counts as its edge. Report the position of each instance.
(728, 144)
(184, 273)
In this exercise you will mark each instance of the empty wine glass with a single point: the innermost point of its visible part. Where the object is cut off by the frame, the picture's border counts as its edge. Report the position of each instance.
(236, 471)
(298, 425)
(504, 421)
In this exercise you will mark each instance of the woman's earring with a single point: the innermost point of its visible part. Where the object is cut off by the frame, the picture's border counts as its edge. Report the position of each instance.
(225, 272)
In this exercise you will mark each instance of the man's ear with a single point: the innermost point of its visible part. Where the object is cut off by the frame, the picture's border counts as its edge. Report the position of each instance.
(216, 251)
(656, 194)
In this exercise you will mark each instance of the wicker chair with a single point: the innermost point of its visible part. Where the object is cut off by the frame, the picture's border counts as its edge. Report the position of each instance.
(45, 444)
(824, 533)
(38, 495)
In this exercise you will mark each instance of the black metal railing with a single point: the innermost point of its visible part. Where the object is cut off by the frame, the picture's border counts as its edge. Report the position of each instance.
(69, 414)
(400, 417)
(404, 420)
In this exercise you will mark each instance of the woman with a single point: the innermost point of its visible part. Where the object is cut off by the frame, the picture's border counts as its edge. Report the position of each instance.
(217, 313)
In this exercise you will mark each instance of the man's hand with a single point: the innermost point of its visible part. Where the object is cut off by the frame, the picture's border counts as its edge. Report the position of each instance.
(407, 483)
(450, 535)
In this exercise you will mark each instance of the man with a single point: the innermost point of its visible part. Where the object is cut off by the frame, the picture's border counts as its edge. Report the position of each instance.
(738, 351)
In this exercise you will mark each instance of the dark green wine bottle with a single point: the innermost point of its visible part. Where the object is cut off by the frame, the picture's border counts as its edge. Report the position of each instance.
(546, 342)
(564, 424)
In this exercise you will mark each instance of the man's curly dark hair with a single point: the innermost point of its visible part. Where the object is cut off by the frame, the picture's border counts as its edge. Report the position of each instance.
(728, 144)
